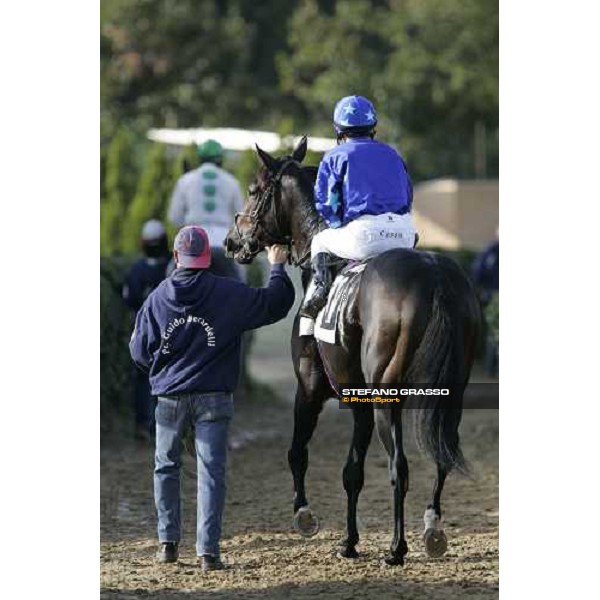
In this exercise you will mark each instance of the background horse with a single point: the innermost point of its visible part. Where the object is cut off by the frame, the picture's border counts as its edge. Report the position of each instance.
(414, 319)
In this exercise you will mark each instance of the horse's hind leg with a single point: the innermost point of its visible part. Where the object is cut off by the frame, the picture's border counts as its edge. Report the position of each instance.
(354, 475)
(434, 537)
(389, 429)
(399, 479)
(306, 415)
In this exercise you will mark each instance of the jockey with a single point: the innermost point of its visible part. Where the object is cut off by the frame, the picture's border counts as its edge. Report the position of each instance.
(363, 192)
(209, 197)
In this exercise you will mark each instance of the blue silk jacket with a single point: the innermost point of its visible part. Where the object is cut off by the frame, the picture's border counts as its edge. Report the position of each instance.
(361, 177)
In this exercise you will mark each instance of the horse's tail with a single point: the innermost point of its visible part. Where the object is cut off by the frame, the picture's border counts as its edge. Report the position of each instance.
(439, 360)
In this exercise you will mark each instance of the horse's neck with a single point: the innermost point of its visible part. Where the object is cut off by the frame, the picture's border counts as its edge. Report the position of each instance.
(306, 222)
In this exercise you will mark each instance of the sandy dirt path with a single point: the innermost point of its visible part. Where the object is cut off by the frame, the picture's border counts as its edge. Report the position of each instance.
(267, 559)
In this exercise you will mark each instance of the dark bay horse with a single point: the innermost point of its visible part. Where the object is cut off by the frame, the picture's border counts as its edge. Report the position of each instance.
(415, 319)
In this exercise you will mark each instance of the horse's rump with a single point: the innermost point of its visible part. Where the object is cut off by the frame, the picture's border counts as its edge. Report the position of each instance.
(420, 321)
(414, 308)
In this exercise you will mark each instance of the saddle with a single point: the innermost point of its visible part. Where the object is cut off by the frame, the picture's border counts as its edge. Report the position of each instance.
(340, 311)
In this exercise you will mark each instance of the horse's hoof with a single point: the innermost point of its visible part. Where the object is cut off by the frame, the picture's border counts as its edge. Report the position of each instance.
(306, 523)
(347, 552)
(436, 542)
(394, 560)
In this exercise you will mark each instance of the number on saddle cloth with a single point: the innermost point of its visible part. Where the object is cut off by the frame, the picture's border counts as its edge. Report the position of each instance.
(328, 326)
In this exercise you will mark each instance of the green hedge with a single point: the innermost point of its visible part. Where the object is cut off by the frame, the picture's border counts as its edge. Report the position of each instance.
(116, 322)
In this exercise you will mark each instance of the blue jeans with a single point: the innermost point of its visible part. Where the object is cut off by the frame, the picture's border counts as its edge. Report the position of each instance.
(210, 415)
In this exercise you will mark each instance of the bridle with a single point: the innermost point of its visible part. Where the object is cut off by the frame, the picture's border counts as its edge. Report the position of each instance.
(267, 201)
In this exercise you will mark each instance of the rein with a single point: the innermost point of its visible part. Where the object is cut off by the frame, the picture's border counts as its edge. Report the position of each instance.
(266, 202)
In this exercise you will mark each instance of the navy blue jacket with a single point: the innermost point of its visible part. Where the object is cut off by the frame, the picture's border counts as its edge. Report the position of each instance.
(486, 270)
(144, 276)
(187, 334)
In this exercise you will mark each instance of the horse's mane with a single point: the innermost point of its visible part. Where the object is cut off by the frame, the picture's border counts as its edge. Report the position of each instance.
(306, 177)
(313, 221)
(311, 172)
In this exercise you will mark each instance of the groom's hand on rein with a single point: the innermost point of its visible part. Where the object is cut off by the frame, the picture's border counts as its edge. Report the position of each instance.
(277, 254)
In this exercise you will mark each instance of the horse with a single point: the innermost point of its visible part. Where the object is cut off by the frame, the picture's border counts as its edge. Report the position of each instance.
(415, 318)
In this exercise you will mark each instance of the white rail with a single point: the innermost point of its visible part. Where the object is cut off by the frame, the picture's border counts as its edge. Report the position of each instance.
(235, 139)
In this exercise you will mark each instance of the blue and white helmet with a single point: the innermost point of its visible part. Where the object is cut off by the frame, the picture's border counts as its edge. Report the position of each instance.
(354, 113)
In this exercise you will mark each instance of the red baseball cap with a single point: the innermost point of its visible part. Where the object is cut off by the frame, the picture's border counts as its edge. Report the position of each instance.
(193, 248)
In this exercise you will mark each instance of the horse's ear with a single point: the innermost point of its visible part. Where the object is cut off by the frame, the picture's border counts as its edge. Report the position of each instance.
(267, 160)
(300, 150)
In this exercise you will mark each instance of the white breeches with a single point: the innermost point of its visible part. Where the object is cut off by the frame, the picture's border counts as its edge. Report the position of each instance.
(366, 236)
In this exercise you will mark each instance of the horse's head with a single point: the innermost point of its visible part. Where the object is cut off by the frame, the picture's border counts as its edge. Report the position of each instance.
(266, 218)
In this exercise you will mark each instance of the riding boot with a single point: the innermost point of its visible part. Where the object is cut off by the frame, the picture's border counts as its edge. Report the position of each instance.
(318, 289)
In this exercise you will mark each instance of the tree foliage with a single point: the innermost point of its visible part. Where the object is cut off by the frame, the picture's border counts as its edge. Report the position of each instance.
(187, 63)
(430, 66)
(151, 200)
(186, 161)
(120, 182)
(115, 330)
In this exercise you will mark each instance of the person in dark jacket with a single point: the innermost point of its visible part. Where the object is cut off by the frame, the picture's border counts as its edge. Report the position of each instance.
(187, 337)
(144, 275)
(486, 275)
(486, 271)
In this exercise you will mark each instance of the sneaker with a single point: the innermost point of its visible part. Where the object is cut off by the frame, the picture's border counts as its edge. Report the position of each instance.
(211, 563)
(168, 552)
